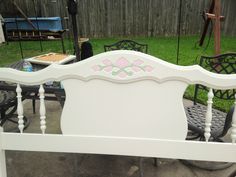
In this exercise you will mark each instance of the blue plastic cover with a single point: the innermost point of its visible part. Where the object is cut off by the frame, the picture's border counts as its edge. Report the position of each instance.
(41, 23)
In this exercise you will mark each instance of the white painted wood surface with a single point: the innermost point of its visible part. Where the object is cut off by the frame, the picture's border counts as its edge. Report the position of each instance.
(162, 72)
(208, 119)
(20, 110)
(124, 103)
(104, 108)
(3, 169)
(146, 147)
(42, 109)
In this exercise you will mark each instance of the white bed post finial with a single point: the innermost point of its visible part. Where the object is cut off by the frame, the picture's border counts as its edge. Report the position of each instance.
(20, 108)
(207, 133)
(233, 132)
(42, 110)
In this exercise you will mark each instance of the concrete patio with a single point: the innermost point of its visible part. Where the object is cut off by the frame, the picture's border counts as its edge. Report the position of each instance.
(41, 164)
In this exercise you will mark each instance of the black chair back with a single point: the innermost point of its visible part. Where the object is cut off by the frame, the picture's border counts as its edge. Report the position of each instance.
(127, 45)
(222, 64)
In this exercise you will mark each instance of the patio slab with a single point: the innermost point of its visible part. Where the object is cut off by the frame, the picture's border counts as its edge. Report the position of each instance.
(43, 164)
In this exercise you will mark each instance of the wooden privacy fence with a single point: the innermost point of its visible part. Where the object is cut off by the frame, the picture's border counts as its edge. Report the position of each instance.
(108, 18)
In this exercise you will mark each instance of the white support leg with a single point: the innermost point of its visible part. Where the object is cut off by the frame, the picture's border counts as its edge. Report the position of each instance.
(207, 133)
(20, 110)
(3, 169)
(42, 110)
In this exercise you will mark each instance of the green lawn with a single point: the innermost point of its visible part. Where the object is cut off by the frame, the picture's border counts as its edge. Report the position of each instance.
(161, 47)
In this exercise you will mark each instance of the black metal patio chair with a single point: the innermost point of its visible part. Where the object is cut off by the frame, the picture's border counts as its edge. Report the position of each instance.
(221, 121)
(8, 107)
(127, 45)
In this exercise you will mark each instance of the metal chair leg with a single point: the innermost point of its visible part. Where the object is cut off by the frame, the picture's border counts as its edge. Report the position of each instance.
(155, 162)
(33, 104)
(141, 167)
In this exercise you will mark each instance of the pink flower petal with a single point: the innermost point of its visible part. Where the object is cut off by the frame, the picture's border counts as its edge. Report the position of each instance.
(148, 68)
(122, 62)
(96, 68)
(108, 69)
(107, 62)
(136, 69)
(122, 74)
(138, 62)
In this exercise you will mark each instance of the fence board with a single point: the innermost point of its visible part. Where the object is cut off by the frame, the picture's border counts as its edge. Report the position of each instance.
(109, 18)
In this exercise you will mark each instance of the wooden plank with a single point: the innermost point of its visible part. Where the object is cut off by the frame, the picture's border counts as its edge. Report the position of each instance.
(23, 14)
(194, 150)
(3, 169)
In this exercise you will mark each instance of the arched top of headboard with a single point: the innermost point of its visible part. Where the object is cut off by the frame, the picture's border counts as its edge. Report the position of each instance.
(122, 66)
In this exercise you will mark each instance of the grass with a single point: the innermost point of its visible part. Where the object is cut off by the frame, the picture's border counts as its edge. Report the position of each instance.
(161, 47)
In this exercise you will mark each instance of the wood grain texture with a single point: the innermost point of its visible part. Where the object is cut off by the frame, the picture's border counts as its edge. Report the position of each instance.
(112, 18)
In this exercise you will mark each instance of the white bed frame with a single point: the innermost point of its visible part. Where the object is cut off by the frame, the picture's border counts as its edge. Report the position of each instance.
(121, 103)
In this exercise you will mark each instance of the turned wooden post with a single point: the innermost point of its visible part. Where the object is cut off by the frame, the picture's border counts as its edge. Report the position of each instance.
(20, 110)
(42, 109)
(207, 133)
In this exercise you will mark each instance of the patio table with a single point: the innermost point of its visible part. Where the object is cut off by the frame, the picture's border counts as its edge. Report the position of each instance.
(53, 92)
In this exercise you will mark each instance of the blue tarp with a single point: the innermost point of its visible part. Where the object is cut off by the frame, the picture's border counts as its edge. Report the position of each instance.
(44, 23)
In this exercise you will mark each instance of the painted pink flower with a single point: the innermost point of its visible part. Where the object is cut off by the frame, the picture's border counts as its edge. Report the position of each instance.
(122, 63)
(96, 68)
(122, 74)
(108, 68)
(148, 68)
(136, 69)
(107, 62)
(125, 67)
(138, 62)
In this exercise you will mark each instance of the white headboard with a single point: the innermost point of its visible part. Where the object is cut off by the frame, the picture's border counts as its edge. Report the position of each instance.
(124, 94)
(123, 103)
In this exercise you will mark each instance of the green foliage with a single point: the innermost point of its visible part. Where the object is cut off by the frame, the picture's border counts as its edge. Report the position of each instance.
(162, 47)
